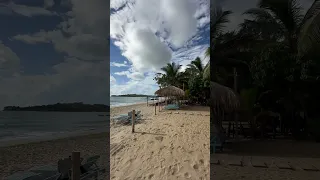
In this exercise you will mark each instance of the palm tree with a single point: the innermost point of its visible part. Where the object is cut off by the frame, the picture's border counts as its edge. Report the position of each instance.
(196, 67)
(282, 22)
(171, 76)
(219, 19)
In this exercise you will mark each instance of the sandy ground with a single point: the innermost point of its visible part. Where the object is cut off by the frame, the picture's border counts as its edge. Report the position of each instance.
(164, 146)
(251, 173)
(25, 156)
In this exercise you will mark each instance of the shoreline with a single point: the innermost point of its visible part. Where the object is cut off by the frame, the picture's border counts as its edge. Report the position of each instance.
(52, 136)
(133, 104)
(17, 141)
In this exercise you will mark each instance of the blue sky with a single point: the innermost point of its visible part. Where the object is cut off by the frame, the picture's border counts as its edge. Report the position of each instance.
(148, 34)
(54, 51)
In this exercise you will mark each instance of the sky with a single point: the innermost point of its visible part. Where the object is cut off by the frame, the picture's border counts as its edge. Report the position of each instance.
(148, 34)
(54, 51)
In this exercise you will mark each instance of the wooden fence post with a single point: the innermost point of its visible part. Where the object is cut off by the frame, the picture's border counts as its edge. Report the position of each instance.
(155, 109)
(133, 119)
(159, 103)
(75, 166)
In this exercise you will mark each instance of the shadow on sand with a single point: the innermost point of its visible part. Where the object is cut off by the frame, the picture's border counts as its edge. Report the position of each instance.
(277, 148)
(158, 134)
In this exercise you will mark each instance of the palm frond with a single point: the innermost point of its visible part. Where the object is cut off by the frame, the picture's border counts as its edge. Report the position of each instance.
(309, 36)
(218, 20)
(288, 12)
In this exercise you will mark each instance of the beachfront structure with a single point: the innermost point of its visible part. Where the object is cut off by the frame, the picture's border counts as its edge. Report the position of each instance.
(170, 91)
(223, 100)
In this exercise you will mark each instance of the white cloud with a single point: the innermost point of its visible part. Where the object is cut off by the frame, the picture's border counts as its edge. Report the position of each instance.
(134, 28)
(81, 35)
(112, 80)
(144, 86)
(48, 3)
(116, 4)
(152, 33)
(146, 51)
(115, 64)
(122, 73)
(185, 55)
(131, 74)
(27, 10)
(9, 61)
(72, 81)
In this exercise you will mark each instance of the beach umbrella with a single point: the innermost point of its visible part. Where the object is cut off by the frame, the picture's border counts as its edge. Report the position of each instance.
(223, 99)
(170, 91)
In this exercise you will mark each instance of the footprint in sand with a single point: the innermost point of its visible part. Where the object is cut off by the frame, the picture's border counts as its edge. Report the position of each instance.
(150, 176)
(159, 138)
(201, 161)
(196, 167)
(173, 169)
(187, 175)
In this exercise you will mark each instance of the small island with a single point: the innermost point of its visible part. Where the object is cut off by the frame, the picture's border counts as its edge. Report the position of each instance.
(62, 107)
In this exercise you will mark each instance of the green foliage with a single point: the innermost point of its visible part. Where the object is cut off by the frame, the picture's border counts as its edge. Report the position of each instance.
(193, 79)
(276, 49)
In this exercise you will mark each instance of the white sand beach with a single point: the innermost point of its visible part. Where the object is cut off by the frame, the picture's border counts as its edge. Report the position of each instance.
(164, 146)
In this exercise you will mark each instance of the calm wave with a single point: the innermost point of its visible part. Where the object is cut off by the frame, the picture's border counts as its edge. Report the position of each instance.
(28, 125)
(124, 101)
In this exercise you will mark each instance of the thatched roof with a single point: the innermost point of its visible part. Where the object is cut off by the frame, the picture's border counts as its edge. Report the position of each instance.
(170, 91)
(223, 99)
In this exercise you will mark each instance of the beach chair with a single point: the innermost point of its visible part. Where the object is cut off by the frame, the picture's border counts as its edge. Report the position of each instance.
(172, 107)
(90, 168)
(137, 117)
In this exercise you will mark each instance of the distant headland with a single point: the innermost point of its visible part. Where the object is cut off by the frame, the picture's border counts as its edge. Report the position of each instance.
(132, 95)
(62, 107)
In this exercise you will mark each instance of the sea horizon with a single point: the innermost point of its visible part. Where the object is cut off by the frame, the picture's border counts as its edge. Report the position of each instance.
(36, 125)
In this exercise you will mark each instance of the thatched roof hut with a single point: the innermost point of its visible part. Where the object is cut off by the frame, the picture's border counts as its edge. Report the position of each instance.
(170, 91)
(223, 99)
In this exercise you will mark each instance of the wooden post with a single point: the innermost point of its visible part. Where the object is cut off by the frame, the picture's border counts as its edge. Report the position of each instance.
(235, 74)
(75, 166)
(159, 103)
(155, 109)
(147, 100)
(133, 119)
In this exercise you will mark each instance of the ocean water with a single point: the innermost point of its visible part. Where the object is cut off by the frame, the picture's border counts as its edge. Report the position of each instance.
(124, 101)
(24, 125)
